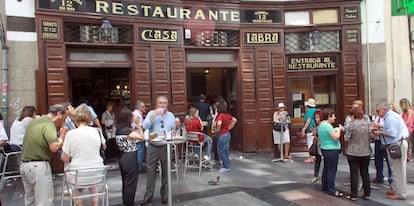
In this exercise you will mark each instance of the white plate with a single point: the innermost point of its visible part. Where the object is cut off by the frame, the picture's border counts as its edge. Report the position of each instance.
(156, 140)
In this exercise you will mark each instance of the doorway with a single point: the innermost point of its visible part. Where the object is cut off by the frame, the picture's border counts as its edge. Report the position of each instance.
(100, 85)
(213, 82)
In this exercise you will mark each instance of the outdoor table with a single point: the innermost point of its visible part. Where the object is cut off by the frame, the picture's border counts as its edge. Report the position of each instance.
(162, 141)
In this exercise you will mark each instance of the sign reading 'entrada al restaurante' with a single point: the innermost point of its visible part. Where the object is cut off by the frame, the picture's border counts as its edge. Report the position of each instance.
(163, 11)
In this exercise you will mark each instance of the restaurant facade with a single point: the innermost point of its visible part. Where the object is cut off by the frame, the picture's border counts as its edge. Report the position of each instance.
(255, 54)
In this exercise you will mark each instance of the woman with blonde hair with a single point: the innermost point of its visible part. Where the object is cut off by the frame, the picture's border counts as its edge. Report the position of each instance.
(81, 148)
(408, 117)
(194, 124)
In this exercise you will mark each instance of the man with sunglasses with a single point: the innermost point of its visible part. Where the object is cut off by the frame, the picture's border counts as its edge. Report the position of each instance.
(158, 121)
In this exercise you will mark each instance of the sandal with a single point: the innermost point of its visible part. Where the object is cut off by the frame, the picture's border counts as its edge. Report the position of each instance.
(315, 179)
(338, 194)
(350, 197)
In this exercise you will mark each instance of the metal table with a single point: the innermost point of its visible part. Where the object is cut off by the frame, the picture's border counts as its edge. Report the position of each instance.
(174, 140)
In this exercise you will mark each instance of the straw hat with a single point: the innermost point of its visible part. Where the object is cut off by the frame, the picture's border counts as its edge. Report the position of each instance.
(281, 105)
(311, 102)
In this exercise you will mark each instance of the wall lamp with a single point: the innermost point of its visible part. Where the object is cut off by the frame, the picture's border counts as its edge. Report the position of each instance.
(106, 30)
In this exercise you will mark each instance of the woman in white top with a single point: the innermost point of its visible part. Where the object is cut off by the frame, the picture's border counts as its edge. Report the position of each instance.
(282, 117)
(81, 147)
(19, 126)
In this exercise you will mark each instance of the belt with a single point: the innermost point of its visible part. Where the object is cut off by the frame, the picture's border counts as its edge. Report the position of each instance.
(35, 160)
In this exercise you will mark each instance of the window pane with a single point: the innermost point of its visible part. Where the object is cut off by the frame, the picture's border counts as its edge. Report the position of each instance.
(327, 16)
(297, 18)
(208, 57)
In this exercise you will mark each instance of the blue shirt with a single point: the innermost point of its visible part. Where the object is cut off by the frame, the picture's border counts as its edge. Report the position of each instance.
(160, 123)
(395, 126)
(93, 114)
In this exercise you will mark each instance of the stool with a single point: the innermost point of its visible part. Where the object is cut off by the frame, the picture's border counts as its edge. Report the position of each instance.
(14, 171)
(191, 145)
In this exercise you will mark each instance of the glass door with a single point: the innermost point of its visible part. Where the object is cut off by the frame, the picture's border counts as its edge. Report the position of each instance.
(321, 88)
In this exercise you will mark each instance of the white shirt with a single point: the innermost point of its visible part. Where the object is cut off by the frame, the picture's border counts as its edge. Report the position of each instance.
(18, 129)
(82, 145)
(136, 113)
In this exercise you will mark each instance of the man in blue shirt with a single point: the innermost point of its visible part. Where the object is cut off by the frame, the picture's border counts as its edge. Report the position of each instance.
(395, 132)
(157, 121)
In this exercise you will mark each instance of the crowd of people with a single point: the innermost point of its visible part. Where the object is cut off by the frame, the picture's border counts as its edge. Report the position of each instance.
(392, 134)
(78, 136)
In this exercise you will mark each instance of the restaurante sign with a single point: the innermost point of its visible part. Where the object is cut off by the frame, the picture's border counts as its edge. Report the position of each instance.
(163, 11)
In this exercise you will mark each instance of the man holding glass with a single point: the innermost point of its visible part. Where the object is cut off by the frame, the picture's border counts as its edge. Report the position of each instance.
(158, 121)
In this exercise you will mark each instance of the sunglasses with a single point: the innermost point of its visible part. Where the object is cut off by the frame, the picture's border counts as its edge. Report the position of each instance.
(162, 124)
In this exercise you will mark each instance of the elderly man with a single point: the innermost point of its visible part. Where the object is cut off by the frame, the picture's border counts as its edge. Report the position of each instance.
(158, 121)
(40, 142)
(395, 132)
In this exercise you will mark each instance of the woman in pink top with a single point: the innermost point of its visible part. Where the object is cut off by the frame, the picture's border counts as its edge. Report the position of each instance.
(408, 117)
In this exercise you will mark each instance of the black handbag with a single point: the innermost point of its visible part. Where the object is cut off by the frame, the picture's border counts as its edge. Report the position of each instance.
(394, 151)
(277, 126)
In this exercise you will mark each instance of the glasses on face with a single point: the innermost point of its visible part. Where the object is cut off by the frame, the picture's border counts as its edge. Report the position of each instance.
(377, 111)
(162, 124)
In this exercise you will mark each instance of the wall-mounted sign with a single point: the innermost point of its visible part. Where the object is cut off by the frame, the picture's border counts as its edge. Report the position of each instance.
(352, 36)
(162, 11)
(158, 35)
(50, 30)
(261, 37)
(351, 13)
(312, 62)
(260, 17)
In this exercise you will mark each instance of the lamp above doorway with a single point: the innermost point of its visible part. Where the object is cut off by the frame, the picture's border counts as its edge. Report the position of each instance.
(106, 30)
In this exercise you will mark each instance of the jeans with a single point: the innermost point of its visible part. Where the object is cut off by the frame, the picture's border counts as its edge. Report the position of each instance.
(380, 155)
(223, 145)
(140, 155)
(208, 142)
(330, 166)
(359, 165)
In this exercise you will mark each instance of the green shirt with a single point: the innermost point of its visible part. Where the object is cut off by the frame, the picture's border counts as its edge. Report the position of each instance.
(327, 143)
(39, 134)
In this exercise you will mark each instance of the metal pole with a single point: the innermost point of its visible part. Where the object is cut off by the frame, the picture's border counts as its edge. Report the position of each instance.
(4, 72)
(4, 83)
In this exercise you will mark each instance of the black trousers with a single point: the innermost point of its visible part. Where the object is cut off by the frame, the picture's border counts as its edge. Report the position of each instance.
(359, 165)
(128, 165)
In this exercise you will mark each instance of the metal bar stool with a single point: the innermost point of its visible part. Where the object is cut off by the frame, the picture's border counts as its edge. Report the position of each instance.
(191, 146)
(11, 160)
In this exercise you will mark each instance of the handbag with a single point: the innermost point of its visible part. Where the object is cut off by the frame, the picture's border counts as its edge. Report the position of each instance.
(277, 126)
(313, 150)
(101, 149)
(394, 151)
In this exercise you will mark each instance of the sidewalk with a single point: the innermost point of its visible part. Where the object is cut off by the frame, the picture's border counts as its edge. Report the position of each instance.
(254, 180)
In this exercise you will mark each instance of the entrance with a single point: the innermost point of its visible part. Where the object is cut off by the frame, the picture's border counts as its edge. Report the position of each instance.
(322, 89)
(100, 85)
(213, 82)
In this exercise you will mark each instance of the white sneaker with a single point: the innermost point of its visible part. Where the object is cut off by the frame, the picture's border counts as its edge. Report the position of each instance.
(196, 157)
(224, 170)
(206, 157)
